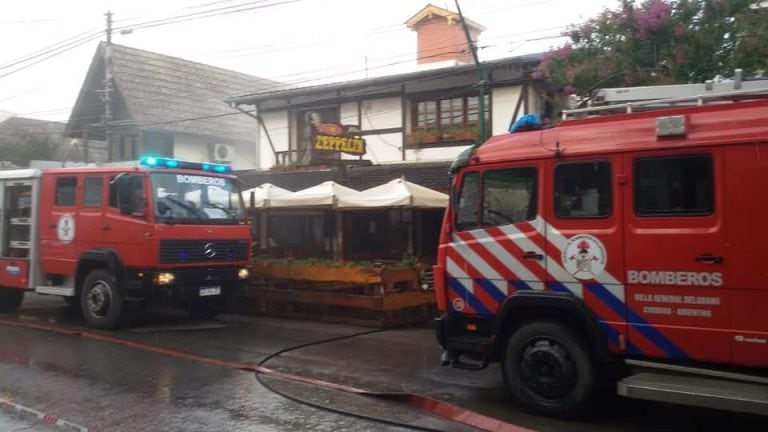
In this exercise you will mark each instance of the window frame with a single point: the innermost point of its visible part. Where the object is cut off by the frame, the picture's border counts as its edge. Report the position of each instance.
(438, 101)
(479, 208)
(86, 180)
(555, 193)
(533, 201)
(478, 200)
(58, 185)
(635, 189)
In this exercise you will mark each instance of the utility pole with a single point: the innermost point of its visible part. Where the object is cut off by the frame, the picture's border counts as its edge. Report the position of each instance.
(481, 83)
(107, 92)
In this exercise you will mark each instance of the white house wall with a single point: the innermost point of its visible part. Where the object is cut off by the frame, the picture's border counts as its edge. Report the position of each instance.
(199, 148)
(387, 114)
(191, 148)
(377, 114)
(433, 154)
(277, 126)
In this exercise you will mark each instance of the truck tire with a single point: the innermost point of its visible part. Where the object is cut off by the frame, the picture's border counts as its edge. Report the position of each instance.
(548, 369)
(10, 299)
(101, 300)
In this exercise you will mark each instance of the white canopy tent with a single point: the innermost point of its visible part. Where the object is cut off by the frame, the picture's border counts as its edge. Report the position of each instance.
(398, 193)
(328, 193)
(263, 195)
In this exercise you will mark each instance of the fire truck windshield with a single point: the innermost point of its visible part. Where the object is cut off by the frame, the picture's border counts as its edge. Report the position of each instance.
(195, 199)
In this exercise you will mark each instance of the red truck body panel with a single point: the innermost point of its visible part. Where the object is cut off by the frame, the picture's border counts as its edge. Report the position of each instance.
(680, 286)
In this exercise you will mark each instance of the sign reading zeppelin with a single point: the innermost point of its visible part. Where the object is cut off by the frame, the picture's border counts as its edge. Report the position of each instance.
(344, 144)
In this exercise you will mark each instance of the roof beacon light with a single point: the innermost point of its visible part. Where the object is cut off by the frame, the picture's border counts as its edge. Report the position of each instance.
(159, 162)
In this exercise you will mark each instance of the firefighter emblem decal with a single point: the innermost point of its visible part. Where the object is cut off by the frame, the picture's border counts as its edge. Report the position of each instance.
(584, 256)
(65, 228)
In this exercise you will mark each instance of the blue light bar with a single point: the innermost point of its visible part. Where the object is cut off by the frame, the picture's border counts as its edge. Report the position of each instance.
(159, 162)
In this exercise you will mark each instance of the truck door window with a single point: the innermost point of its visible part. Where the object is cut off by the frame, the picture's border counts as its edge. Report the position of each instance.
(65, 191)
(509, 196)
(468, 203)
(92, 193)
(583, 189)
(674, 186)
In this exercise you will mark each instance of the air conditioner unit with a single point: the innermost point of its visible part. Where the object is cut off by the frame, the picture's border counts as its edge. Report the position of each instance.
(223, 152)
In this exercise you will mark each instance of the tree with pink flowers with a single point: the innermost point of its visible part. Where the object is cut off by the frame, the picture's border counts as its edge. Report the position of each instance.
(660, 42)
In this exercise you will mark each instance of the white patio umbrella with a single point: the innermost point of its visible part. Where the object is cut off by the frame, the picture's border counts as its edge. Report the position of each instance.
(398, 193)
(327, 193)
(263, 195)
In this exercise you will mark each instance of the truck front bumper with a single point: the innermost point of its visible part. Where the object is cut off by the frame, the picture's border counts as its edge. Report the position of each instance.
(185, 284)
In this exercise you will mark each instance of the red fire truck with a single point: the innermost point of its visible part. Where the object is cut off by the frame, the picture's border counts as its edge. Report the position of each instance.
(621, 252)
(110, 237)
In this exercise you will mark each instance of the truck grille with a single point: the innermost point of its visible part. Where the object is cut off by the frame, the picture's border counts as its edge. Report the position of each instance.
(184, 251)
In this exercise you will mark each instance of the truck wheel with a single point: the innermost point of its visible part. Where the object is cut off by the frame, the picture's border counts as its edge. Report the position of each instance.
(10, 299)
(101, 301)
(548, 369)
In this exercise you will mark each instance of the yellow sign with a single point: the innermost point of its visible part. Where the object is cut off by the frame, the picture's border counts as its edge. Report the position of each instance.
(351, 145)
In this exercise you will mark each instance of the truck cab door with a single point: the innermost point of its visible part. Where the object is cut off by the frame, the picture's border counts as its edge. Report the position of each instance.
(496, 245)
(126, 229)
(585, 242)
(675, 255)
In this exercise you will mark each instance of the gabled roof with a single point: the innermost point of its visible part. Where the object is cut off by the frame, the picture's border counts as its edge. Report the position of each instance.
(430, 11)
(156, 91)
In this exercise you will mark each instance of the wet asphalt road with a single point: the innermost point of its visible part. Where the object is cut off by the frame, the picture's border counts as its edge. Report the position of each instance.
(104, 386)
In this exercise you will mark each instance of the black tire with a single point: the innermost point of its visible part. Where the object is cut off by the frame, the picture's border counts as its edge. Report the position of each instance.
(101, 300)
(10, 299)
(549, 370)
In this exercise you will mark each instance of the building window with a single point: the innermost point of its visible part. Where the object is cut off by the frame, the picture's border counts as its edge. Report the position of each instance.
(443, 115)
(65, 191)
(127, 148)
(583, 190)
(674, 186)
(509, 196)
(92, 193)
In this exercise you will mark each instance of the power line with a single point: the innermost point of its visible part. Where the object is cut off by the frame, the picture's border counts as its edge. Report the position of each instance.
(243, 7)
(50, 56)
(52, 48)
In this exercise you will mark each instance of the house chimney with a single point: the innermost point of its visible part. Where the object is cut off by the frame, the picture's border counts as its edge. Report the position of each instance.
(441, 38)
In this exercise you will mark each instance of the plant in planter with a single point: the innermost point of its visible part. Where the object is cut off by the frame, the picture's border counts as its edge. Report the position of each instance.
(449, 134)
(414, 138)
(430, 136)
(469, 133)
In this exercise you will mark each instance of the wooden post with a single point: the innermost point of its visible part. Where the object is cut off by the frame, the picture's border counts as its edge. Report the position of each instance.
(338, 253)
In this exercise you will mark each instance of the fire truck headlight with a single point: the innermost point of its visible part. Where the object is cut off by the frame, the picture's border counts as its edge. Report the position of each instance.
(164, 278)
(243, 273)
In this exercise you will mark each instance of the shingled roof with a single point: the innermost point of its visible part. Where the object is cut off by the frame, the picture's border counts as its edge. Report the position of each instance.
(164, 93)
(22, 124)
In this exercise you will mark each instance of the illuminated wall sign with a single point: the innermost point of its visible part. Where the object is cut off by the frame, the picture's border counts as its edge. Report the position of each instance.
(344, 144)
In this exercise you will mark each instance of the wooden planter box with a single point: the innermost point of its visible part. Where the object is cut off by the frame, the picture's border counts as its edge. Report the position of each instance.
(371, 296)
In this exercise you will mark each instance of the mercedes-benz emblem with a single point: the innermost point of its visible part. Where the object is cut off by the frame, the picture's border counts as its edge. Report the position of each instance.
(209, 251)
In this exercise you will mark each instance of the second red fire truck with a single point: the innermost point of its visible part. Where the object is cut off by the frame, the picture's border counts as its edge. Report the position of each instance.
(622, 252)
(107, 238)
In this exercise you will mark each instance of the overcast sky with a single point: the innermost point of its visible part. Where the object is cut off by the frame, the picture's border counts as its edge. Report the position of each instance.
(300, 41)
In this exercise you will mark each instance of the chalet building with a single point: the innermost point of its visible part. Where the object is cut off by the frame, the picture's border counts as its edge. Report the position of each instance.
(162, 105)
(429, 115)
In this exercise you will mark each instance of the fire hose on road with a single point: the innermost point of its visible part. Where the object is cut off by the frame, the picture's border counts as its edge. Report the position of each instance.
(424, 403)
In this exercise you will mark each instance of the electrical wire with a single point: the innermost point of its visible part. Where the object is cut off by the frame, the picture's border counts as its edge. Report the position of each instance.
(348, 413)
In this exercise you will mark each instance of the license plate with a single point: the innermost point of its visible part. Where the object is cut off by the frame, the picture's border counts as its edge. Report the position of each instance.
(209, 291)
